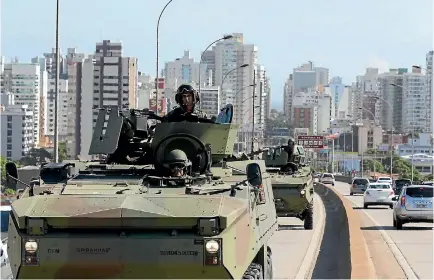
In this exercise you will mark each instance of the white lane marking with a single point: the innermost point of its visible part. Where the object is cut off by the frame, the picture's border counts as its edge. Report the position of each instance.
(402, 261)
(308, 264)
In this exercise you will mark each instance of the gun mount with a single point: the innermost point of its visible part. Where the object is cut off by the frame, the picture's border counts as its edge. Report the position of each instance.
(289, 158)
(127, 137)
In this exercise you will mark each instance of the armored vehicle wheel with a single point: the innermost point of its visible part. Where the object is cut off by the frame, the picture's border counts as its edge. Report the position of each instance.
(308, 218)
(254, 271)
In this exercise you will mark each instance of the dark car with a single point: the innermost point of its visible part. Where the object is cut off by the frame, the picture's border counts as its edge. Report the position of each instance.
(399, 184)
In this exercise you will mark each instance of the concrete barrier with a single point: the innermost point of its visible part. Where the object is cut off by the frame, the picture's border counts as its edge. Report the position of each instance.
(343, 252)
(334, 258)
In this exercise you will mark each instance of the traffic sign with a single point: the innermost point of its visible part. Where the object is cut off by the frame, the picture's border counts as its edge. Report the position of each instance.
(311, 142)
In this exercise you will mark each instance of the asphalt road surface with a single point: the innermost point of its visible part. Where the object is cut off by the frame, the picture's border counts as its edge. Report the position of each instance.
(414, 241)
(291, 243)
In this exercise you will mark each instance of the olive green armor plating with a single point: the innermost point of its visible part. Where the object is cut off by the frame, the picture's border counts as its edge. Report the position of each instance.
(165, 200)
(292, 182)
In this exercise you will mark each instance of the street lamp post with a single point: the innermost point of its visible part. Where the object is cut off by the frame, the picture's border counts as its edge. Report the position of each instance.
(158, 43)
(412, 135)
(229, 72)
(253, 108)
(391, 135)
(201, 57)
(56, 89)
(375, 151)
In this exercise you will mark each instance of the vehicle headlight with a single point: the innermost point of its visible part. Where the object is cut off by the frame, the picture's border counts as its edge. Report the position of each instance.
(212, 246)
(31, 247)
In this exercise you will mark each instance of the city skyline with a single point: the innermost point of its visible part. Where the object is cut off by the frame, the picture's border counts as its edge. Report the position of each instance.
(382, 42)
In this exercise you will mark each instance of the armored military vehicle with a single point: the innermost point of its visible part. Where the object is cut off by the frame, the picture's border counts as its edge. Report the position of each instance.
(168, 203)
(292, 181)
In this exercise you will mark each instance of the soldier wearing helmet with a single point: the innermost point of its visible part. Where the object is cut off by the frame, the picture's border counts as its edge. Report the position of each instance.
(176, 161)
(186, 97)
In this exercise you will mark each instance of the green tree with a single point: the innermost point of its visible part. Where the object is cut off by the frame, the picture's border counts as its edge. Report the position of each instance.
(3, 170)
(401, 167)
(428, 177)
(36, 156)
(369, 164)
(9, 192)
(63, 152)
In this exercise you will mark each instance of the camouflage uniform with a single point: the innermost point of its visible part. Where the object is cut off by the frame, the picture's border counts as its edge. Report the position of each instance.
(175, 115)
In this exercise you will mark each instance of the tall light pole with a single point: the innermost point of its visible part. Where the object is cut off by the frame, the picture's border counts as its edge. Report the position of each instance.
(253, 109)
(352, 145)
(158, 42)
(229, 72)
(391, 134)
(227, 37)
(412, 135)
(56, 89)
(375, 151)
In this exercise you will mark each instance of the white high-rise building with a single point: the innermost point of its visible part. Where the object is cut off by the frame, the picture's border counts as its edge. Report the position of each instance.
(75, 87)
(415, 102)
(288, 96)
(224, 63)
(62, 109)
(322, 102)
(115, 77)
(391, 97)
(17, 131)
(24, 81)
(184, 70)
(308, 76)
(210, 100)
(80, 104)
(341, 99)
(145, 88)
(430, 89)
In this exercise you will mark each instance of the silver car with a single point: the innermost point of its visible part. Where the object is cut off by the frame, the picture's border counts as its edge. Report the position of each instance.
(359, 185)
(413, 205)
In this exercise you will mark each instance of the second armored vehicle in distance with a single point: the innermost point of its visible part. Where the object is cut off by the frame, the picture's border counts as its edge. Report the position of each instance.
(292, 182)
(163, 204)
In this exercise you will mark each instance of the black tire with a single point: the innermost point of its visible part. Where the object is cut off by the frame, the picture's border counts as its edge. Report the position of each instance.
(365, 206)
(270, 266)
(333, 185)
(398, 223)
(308, 217)
(254, 271)
(391, 206)
(351, 193)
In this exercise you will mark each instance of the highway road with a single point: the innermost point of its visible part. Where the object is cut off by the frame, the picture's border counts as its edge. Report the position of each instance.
(413, 245)
(290, 245)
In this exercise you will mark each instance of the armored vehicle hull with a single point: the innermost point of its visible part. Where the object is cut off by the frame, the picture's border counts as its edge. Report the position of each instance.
(292, 183)
(185, 212)
(112, 238)
(293, 197)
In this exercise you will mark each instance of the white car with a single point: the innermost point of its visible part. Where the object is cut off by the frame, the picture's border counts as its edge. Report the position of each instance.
(378, 194)
(384, 180)
(327, 178)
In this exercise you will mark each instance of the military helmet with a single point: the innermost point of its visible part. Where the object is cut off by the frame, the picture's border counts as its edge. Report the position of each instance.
(176, 157)
(186, 88)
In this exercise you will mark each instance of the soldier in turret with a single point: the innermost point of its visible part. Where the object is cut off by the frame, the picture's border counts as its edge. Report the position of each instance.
(187, 98)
